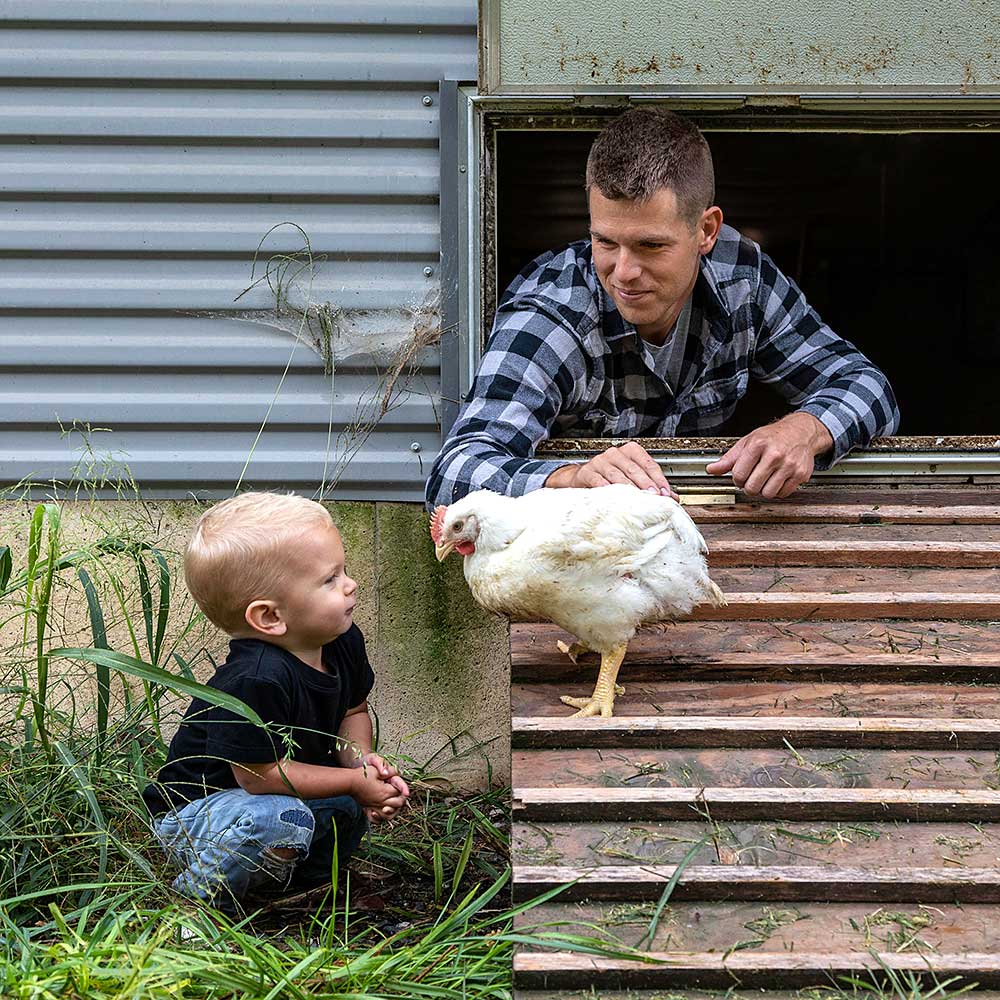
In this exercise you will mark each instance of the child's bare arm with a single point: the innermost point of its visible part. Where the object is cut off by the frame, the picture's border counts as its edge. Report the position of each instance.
(315, 781)
(354, 738)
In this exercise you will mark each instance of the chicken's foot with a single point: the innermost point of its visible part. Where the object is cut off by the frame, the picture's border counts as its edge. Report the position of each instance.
(602, 701)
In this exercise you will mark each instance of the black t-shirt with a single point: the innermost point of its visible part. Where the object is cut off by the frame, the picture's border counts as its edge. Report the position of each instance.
(308, 705)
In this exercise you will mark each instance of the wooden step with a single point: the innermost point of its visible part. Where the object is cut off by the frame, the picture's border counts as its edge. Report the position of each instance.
(586, 843)
(780, 731)
(749, 970)
(838, 581)
(972, 667)
(768, 883)
(800, 804)
(875, 649)
(840, 552)
(826, 606)
(776, 531)
(792, 768)
(848, 513)
(723, 927)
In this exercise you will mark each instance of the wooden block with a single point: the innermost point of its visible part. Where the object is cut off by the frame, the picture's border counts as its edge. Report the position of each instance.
(664, 970)
(694, 498)
(546, 804)
(666, 732)
(771, 883)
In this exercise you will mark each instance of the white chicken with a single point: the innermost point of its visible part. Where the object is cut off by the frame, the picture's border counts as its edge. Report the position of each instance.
(597, 562)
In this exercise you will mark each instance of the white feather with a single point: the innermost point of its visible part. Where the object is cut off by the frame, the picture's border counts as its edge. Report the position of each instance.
(597, 562)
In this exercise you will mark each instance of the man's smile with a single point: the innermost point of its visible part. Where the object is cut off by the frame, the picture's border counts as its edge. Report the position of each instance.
(630, 296)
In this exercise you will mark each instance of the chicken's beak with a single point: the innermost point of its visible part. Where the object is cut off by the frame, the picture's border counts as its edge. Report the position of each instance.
(443, 550)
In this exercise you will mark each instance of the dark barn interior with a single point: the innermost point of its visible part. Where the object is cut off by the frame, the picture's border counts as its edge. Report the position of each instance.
(893, 238)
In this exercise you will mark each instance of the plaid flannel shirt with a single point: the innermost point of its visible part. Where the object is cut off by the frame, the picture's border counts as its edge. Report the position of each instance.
(561, 361)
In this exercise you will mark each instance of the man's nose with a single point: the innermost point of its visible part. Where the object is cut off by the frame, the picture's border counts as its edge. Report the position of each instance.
(627, 267)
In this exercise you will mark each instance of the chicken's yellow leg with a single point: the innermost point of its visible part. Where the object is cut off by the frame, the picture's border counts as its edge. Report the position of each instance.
(602, 701)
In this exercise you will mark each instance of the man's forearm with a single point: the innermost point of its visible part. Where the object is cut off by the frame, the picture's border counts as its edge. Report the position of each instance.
(819, 436)
(562, 477)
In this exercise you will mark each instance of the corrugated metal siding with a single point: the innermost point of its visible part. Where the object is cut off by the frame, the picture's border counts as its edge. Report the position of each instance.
(145, 148)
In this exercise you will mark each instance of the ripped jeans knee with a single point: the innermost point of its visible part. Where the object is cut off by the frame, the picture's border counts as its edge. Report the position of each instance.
(232, 844)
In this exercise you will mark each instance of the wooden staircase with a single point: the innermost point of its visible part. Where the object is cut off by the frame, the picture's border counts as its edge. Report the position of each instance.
(801, 786)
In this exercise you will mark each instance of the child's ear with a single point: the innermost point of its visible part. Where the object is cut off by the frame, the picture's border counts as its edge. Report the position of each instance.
(265, 618)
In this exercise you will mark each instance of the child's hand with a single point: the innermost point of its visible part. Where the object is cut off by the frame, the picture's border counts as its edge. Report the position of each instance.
(383, 768)
(371, 792)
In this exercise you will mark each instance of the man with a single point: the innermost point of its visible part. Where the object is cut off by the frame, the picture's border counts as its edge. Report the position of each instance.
(653, 328)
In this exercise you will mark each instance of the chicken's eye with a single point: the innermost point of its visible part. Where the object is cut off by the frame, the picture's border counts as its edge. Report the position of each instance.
(458, 525)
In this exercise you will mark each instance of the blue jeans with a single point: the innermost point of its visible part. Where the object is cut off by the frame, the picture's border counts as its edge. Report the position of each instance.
(225, 842)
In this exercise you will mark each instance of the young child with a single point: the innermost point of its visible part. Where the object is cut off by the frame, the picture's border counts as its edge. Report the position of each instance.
(246, 810)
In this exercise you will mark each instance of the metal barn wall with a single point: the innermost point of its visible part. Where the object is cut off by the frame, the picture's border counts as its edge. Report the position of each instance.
(146, 147)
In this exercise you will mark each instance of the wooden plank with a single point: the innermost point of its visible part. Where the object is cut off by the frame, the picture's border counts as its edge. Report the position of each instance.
(719, 731)
(716, 531)
(771, 883)
(729, 926)
(665, 970)
(585, 843)
(930, 494)
(972, 668)
(760, 699)
(806, 768)
(702, 642)
(849, 513)
(823, 606)
(837, 552)
(838, 580)
(543, 804)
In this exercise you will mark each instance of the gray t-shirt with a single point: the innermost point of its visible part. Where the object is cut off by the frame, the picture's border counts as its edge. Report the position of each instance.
(667, 360)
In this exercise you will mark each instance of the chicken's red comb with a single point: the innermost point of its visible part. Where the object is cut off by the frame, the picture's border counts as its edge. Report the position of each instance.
(437, 520)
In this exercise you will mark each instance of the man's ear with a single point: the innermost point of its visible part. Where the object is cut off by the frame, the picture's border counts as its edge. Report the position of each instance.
(264, 618)
(708, 228)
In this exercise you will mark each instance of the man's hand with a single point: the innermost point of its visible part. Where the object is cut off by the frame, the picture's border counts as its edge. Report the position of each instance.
(775, 460)
(630, 463)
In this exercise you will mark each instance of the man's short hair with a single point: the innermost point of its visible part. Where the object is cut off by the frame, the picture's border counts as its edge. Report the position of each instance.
(644, 150)
(236, 554)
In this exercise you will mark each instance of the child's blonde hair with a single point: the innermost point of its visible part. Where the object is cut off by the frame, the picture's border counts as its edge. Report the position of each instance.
(235, 555)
